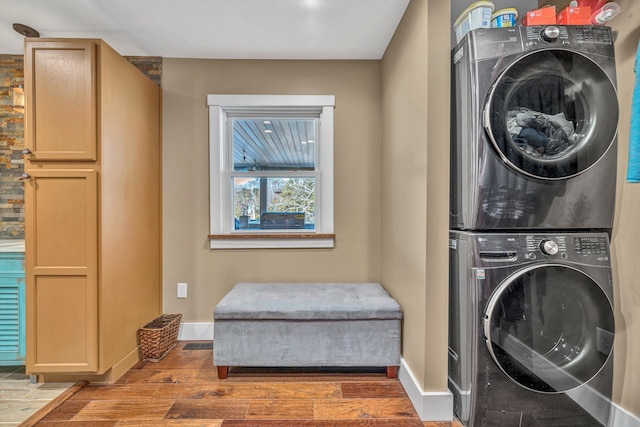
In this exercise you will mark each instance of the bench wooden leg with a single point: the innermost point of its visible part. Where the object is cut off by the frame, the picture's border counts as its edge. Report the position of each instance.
(223, 371)
(392, 372)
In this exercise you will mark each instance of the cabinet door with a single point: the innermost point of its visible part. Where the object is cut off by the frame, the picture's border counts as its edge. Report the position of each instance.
(61, 271)
(61, 98)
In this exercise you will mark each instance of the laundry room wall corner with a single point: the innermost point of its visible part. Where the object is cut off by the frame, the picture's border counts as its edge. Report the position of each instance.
(415, 112)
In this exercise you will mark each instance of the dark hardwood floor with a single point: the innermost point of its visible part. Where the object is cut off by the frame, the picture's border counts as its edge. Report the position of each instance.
(183, 389)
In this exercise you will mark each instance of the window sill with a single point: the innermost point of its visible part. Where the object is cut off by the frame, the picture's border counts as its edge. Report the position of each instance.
(271, 241)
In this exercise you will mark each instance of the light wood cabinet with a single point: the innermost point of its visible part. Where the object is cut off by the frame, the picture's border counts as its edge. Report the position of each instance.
(61, 117)
(92, 208)
(62, 291)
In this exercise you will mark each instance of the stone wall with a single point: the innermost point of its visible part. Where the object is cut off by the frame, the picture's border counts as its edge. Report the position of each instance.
(11, 145)
(12, 140)
(151, 66)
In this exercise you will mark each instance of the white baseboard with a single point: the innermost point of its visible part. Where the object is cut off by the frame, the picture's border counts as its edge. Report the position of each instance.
(430, 406)
(602, 409)
(620, 417)
(596, 404)
(202, 331)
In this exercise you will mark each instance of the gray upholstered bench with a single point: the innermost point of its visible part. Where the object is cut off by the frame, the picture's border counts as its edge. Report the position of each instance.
(307, 324)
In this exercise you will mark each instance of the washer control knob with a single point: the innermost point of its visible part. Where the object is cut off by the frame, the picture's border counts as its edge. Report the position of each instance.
(549, 247)
(550, 33)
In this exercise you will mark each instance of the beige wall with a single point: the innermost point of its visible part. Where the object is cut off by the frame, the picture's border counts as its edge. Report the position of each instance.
(626, 233)
(210, 274)
(412, 248)
(415, 76)
(391, 133)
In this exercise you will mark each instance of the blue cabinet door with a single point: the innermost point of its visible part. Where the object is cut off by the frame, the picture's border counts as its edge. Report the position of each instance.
(12, 309)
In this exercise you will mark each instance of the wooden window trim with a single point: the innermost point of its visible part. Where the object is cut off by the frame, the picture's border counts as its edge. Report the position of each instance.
(271, 236)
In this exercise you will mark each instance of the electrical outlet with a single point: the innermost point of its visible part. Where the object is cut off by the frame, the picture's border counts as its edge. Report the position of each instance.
(604, 341)
(182, 290)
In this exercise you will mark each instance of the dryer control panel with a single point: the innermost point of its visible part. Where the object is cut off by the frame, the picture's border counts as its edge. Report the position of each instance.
(598, 35)
(567, 36)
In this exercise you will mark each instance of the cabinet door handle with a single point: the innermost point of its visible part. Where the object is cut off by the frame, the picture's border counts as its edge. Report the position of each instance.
(24, 177)
(26, 152)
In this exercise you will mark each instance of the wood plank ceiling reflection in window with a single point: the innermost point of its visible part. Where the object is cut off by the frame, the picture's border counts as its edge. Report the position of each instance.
(274, 144)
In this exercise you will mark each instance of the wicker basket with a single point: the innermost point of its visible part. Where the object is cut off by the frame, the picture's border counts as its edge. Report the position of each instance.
(159, 336)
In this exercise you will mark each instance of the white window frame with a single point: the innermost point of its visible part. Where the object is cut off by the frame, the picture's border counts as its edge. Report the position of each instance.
(222, 233)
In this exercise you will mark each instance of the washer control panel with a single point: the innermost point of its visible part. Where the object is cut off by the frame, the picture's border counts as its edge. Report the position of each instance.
(549, 247)
(495, 249)
(594, 245)
(556, 245)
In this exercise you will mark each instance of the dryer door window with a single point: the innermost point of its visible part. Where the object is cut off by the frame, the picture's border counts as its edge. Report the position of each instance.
(552, 114)
(549, 328)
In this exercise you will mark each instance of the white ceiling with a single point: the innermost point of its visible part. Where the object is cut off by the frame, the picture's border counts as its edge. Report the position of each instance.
(225, 29)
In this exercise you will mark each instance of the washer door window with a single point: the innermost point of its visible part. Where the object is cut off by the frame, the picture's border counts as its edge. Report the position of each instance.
(552, 114)
(542, 327)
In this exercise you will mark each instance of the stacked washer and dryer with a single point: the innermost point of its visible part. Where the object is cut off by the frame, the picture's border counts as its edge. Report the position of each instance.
(533, 177)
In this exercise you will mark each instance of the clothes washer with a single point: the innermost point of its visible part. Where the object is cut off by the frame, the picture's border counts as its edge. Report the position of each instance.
(534, 139)
(531, 329)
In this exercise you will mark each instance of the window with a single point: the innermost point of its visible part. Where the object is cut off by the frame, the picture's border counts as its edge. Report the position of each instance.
(271, 171)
